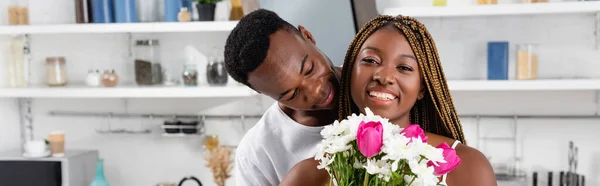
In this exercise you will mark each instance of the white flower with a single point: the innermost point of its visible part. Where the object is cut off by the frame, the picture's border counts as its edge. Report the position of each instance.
(429, 152)
(337, 128)
(353, 123)
(325, 161)
(320, 150)
(381, 168)
(396, 148)
(424, 173)
(390, 129)
(339, 144)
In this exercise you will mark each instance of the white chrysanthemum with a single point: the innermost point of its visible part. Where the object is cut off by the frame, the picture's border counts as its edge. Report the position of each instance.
(424, 173)
(335, 129)
(325, 161)
(353, 123)
(320, 150)
(339, 144)
(381, 168)
(396, 148)
(429, 152)
(390, 129)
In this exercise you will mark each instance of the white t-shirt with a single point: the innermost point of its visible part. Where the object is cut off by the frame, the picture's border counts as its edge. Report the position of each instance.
(272, 147)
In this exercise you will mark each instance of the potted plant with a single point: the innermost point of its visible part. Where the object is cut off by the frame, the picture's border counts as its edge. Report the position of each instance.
(206, 9)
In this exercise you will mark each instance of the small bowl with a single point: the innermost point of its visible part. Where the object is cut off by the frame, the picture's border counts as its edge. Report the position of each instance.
(186, 126)
(175, 126)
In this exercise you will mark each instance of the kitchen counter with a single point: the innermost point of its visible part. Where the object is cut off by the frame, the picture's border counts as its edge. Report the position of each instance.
(16, 155)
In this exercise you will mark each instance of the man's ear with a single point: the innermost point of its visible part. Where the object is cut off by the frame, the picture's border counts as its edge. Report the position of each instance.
(306, 34)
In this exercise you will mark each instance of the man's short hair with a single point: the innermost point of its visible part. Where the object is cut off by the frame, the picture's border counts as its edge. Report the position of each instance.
(248, 43)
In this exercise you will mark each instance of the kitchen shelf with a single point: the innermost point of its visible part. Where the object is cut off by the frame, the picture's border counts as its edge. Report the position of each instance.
(499, 9)
(102, 28)
(242, 91)
(127, 92)
(524, 85)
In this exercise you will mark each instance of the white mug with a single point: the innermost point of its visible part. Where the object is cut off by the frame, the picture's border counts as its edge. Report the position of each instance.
(35, 148)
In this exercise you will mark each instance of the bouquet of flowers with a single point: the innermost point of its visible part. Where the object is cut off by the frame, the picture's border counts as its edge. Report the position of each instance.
(369, 150)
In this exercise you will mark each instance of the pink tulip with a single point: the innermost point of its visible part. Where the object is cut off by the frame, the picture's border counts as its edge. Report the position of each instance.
(414, 131)
(452, 160)
(369, 138)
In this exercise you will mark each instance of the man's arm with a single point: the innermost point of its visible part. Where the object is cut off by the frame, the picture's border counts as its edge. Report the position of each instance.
(248, 174)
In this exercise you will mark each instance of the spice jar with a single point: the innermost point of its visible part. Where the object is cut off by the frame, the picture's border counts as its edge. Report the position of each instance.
(56, 71)
(216, 74)
(110, 79)
(190, 75)
(527, 62)
(93, 78)
(148, 70)
(18, 13)
(184, 15)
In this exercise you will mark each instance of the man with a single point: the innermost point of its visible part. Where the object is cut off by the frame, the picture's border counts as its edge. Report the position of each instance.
(276, 59)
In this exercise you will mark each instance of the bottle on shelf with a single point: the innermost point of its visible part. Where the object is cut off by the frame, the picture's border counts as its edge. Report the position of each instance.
(527, 62)
(550, 178)
(56, 71)
(184, 15)
(93, 78)
(110, 79)
(18, 13)
(17, 61)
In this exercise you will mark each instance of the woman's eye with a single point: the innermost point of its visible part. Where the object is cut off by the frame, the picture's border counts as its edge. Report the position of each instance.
(369, 60)
(407, 68)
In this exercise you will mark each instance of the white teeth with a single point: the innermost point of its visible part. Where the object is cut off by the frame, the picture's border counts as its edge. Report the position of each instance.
(381, 95)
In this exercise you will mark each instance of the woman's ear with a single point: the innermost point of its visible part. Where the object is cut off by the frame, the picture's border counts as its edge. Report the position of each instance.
(306, 34)
(421, 92)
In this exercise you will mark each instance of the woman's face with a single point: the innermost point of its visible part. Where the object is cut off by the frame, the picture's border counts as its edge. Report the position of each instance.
(386, 77)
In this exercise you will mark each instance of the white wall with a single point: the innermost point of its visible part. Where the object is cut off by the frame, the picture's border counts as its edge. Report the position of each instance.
(566, 51)
(147, 159)
(334, 29)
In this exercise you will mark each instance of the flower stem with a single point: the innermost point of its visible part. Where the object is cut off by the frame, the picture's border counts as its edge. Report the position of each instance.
(411, 181)
(366, 182)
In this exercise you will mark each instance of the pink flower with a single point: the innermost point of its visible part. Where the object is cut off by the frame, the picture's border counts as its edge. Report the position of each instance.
(452, 160)
(369, 138)
(414, 131)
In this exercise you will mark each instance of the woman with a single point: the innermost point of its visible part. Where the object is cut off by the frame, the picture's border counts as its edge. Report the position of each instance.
(392, 67)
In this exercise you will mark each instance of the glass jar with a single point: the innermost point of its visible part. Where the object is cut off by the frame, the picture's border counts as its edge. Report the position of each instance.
(18, 12)
(190, 75)
(148, 69)
(527, 62)
(148, 10)
(56, 71)
(216, 75)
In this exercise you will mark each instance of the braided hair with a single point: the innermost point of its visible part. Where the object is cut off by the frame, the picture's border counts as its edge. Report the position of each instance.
(435, 113)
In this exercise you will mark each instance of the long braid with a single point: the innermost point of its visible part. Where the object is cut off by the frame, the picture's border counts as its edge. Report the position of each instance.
(435, 113)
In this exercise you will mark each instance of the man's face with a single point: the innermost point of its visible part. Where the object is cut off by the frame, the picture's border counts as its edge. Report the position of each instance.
(296, 73)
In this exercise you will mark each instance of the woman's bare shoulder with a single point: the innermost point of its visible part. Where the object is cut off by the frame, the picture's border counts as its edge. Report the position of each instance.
(305, 172)
(474, 169)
